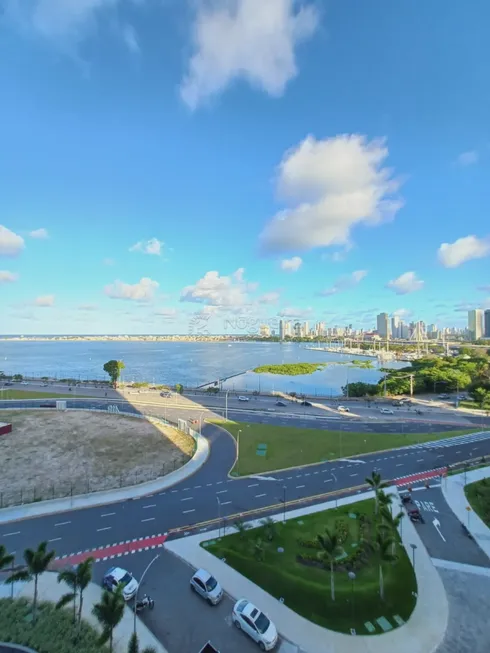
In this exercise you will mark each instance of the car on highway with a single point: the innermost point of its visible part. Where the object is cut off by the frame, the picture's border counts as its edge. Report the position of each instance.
(44, 385)
(343, 409)
(165, 394)
(443, 396)
(306, 403)
(397, 403)
(23, 383)
(207, 586)
(255, 624)
(117, 577)
(242, 398)
(8, 383)
(386, 411)
(281, 403)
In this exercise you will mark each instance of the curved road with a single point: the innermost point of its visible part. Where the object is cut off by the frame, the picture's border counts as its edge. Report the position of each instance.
(195, 500)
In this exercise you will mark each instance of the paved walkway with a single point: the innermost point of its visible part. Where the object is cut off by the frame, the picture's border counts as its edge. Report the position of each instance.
(453, 491)
(110, 496)
(51, 590)
(423, 632)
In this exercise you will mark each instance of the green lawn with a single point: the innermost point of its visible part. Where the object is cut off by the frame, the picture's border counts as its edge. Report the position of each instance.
(478, 495)
(27, 394)
(288, 446)
(305, 588)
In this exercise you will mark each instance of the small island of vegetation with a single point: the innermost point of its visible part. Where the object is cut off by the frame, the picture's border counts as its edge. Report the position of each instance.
(290, 369)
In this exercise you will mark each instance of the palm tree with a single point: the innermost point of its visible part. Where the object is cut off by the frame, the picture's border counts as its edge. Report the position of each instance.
(269, 528)
(382, 547)
(109, 613)
(134, 646)
(6, 559)
(391, 523)
(77, 580)
(37, 561)
(377, 484)
(258, 549)
(242, 528)
(330, 549)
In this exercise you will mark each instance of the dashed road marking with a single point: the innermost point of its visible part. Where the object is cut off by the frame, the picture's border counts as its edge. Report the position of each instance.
(184, 512)
(63, 523)
(257, 496)
(150, 505)
(148, 519)
(298, 487)
(187, 499)
(107, 528)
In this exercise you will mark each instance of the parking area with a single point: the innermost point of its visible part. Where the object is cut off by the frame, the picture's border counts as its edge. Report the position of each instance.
(181, 620)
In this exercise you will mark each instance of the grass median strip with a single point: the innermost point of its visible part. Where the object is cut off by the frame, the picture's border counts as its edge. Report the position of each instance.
(287, 446)
(478, 495)
(28, 394)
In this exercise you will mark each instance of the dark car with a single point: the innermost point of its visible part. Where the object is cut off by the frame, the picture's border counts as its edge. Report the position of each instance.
(8, 383)
(306, 403)
(280, 403)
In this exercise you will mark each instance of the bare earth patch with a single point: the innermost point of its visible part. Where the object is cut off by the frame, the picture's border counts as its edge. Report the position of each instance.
(53, 453)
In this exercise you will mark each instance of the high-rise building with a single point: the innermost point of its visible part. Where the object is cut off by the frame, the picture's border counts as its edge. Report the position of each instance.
(404, 330)
(281, 329)
(265, 331)
(383, 325)
(475, 323)
(288, 331)
(395, 327)
(486, 323)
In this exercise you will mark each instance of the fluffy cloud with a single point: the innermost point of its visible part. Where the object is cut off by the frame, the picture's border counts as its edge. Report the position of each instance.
(40, 234)
(293, 312)
(225, 292)
(245, 39)
(269, 298)
(8, 277)
(403, 313)
(44, 301)
(143, 291)
(11, 243)
(468, 158)
(451, 255)
(334, 185)
(291, 264)
(345, 283)
(405, 283)
(152, 246)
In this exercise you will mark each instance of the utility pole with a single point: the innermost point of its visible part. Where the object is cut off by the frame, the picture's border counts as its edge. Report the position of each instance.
(411, 385)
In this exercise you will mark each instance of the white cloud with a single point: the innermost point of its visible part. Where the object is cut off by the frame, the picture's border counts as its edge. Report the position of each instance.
(8, 277)
(152, 246)
(143, 291)
(405, 283)
(245, 39)
(334, 185)
(402, 313)
(291, 264)
(269, 298)
(292, 311)
(345, 283)
(229, 292)
(40, 234)
(451, 255)
(44, 301)
(468, 158)
(11, 243)
(130, 39)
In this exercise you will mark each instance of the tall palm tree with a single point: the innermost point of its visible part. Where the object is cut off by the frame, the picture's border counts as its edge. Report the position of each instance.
(242, 527)
(330, 549)
(377, 484)
(109, 612)
(391, 523)
(77, 580)
(37, 562)
(6, 559)
(134, 646)
(382, 547)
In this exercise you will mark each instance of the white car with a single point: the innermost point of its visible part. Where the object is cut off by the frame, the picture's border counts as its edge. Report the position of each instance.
(207, 586)
(252, 621)
(386, 411)
(242, 398)
(117, 577)
(343, 409)
(23, 383)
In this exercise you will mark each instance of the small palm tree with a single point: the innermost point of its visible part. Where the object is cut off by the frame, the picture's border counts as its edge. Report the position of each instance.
(383, 547)
(242, 528)
(258, 549)
(330, 549)
(77, 580)
(134, 646)
(109, 612)
(377, 484)
(269, 528)
(6, 559)
(37, 562)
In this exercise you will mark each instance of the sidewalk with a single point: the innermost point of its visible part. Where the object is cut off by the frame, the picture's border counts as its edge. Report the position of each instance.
(110, 496)
(51, 590)
(423, 632)
(453, 491)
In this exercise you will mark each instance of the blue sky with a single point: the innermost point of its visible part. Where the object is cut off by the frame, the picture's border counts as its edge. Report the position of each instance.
(319, 160)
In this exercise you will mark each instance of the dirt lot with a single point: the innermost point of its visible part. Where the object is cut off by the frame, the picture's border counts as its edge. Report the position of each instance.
(53, 453)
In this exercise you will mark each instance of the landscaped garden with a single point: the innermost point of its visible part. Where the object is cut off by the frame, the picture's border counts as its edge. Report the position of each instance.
(342, 568)
(478, 495)
(265, 447)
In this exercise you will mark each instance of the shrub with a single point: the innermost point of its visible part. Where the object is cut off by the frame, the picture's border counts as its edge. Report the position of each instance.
(342, 530)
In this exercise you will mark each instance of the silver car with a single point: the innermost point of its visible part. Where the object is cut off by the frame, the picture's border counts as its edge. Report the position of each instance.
(207, 586)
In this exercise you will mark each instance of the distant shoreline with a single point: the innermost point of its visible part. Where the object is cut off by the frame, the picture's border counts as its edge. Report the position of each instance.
(122, 338)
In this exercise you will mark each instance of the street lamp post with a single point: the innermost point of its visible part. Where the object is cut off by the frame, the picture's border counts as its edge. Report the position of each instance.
(219, 517)
(226, 405)
(139, 587)
(352, 578)
(284, 503)
(200, 423)
(336, 498)
(414, 547)
(238, 451)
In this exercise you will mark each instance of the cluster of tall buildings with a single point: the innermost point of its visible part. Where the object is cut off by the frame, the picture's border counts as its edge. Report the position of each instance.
(478, 324)
(291, 329)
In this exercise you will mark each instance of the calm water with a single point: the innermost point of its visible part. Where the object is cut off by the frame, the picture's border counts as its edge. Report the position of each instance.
(189, 363)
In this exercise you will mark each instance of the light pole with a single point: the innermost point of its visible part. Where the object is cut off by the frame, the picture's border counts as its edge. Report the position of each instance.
(139, 586)
(219, 517)
(200, 423)
(336, 498)
(238, 450)
(414, 547)
(352, 578)
(284, 488)
(226, 405)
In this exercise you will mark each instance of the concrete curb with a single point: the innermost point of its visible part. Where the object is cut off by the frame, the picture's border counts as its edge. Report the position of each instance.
(93, 499)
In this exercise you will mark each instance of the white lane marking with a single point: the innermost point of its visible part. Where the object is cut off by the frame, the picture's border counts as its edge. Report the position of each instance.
(288, 478)
(399, 465)
(298, 475)
(150, 505)
(55, 539)
(187, 511)
(307, 474)
(208, 484)
(219, 482)
(329, 480)
(440, 456)
(149, 519)
(420, 460)
(257, 496)
(14, 533)
(298, 487)
(107, 528)
(196, 487)
(187, 499)
(351, 475)
(173, 491)
(63, 523)
(225, 503)
(253, 485)
(185, 489)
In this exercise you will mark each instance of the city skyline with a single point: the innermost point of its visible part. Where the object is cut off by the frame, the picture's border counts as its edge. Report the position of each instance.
(158, 172)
